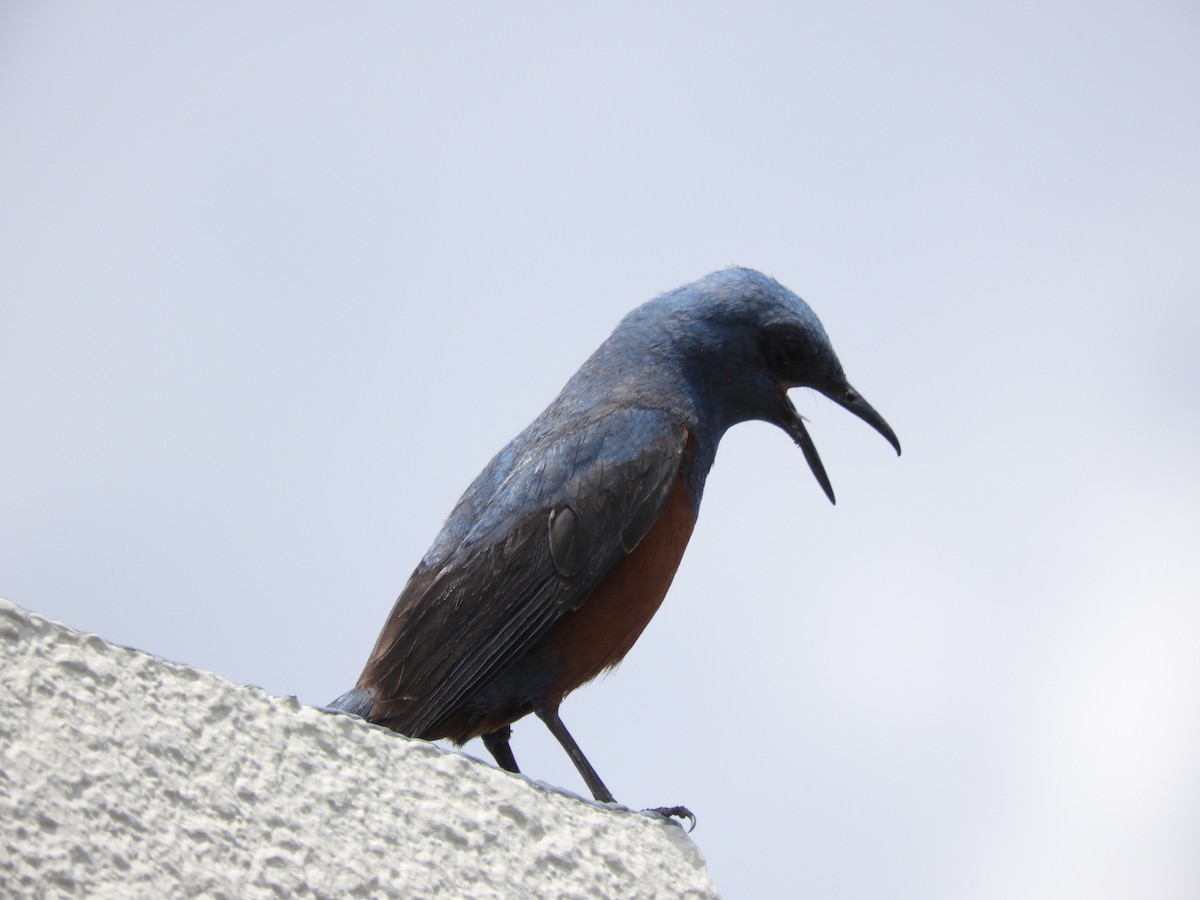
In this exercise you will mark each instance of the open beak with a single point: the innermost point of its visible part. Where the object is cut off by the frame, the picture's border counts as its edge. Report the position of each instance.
(848, 398)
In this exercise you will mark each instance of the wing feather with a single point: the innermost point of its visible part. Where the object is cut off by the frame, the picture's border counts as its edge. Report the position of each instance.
(490, 588)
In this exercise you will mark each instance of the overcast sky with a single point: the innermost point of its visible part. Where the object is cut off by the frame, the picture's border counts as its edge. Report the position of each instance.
(277, 279)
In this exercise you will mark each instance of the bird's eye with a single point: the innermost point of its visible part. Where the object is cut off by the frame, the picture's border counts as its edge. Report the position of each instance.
(786, 354)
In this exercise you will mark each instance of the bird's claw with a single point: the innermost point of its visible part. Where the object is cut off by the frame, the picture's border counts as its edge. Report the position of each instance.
(676, 812)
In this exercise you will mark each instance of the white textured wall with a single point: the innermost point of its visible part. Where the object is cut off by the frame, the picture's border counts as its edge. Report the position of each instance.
(124, 775)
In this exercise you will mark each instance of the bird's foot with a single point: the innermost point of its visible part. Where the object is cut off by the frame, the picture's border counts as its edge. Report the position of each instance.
(675, 812)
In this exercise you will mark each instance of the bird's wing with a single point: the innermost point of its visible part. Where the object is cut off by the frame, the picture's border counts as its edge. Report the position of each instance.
(527, 543)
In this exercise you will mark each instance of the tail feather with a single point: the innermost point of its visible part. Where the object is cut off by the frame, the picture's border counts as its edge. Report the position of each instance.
(355, 702)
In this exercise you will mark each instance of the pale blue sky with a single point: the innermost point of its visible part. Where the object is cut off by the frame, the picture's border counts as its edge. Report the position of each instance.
(276, 281)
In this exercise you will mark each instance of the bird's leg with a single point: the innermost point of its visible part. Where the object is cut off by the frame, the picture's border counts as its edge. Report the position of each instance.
(599, 791)
(497, 745)
(559, 730)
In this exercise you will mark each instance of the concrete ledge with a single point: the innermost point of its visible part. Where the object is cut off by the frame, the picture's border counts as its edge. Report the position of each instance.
(122, 774)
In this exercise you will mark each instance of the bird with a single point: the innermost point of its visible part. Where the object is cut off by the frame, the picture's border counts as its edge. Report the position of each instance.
(561, 550)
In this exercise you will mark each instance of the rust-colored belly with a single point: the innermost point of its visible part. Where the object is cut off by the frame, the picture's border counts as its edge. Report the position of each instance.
(602, 630)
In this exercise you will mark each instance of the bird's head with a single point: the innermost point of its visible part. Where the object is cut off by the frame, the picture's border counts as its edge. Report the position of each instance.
(747, 340)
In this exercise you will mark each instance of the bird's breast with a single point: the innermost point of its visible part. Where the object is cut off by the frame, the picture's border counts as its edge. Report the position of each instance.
(599, 633)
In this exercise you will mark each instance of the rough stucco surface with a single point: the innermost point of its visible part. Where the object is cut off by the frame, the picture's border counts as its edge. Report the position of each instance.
(124, 775)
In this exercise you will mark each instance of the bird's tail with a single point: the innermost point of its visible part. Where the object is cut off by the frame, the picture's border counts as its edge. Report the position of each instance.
(355, 702)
